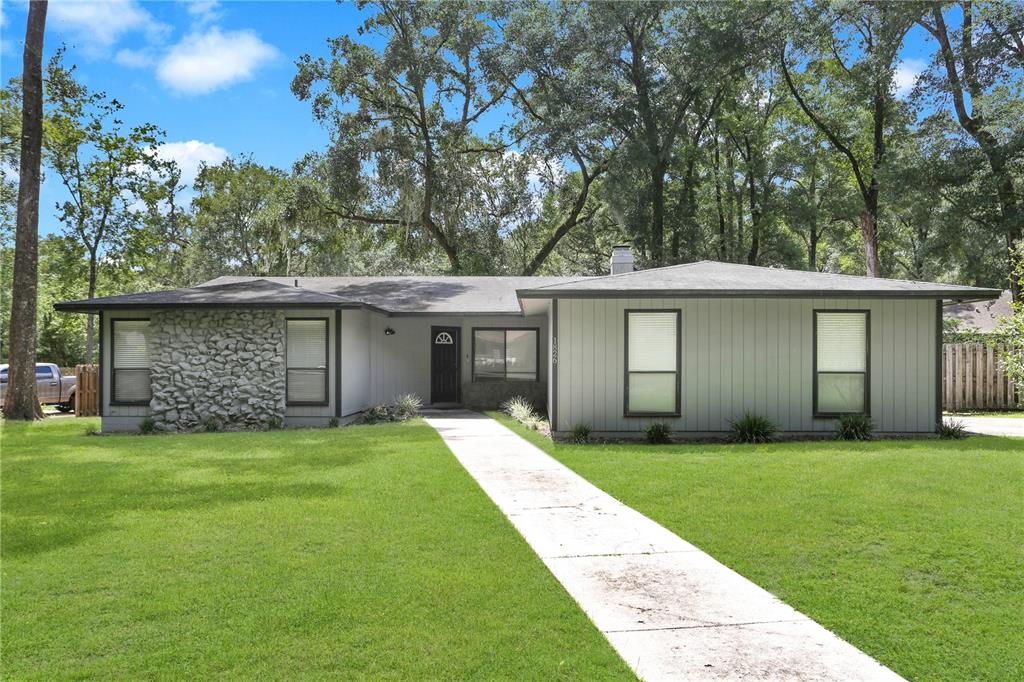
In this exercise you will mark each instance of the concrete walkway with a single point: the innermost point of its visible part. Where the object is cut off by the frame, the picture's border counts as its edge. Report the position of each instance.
(670, 610)
(992, 426)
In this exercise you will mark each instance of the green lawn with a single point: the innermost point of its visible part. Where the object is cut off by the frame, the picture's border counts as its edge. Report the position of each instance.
(363, 552)
(911, 550)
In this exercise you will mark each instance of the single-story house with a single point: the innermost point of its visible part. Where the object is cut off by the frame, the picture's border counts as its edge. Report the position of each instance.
(693, 345)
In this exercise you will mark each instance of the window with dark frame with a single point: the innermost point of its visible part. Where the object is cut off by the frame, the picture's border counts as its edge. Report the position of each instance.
(306, 361)
(505, 354)
(130, 366)
(652, 362)
(841, 359)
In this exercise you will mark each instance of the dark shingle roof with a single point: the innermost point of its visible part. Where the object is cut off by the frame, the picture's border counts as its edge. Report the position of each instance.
(397, 295)
(438, 295)
(251, 293)
(982, 316)
(710, 278)
(500, 295)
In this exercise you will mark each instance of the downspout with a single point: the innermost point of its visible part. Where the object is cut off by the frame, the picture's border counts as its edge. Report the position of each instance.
(100, 371)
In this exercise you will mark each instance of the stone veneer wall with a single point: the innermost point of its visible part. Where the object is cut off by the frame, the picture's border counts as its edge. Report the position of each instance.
(227, 365)
(488, 395)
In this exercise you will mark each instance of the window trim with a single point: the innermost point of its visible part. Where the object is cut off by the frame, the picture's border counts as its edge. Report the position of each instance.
(626, 412)
(817, 414)
(326, 370)
(472, 356)
(113, 366)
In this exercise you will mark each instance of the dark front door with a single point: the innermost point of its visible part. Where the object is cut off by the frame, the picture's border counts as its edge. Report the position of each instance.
(444, 365)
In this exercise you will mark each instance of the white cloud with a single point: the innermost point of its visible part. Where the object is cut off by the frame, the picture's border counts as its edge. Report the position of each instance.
(204, 11)
(204, 62)
(101, 24)
(135, 59)
(906, 75)
(190, 155)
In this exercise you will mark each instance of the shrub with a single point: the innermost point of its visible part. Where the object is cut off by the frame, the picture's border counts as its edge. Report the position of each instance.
(275, 423)
(752, 428)
(854, 427)
(658, 433)
(376, 414)
(147, 425)
(519, 408)
(210, 424)
(952, 430)
(407, 406)
(581, 434)
(332, 423)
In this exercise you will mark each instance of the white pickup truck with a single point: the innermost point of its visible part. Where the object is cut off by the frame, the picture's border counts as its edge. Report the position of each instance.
(51, 387)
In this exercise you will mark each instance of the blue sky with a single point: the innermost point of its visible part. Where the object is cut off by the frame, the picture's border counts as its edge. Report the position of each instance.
(214, 75)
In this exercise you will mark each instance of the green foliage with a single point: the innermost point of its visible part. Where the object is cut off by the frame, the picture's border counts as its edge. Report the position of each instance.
(147, 425)
(854, 427)
(953, 429)
(403, 408)
(211, 424)
(275, 423)
(581, 434)
(332, 423)
(521, 409)
(1012, 329)
(407, 406)
(658, 433)
(752, 428)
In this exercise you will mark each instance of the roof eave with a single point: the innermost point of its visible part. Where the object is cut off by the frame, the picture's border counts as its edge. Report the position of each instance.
(959, 296)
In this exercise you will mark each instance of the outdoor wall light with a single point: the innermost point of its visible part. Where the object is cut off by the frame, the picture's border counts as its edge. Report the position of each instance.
(388, 331)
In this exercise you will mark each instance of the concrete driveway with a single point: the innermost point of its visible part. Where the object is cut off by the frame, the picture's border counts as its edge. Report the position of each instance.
(992, 426)
(670, 610)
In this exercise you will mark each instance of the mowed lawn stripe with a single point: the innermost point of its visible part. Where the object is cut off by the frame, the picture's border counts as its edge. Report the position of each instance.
(363, 552)
(910, 550)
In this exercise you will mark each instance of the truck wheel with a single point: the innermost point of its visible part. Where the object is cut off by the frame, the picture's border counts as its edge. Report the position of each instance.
(69, 406)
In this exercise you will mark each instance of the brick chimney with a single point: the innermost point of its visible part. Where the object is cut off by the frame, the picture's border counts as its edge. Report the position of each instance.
(622, 259)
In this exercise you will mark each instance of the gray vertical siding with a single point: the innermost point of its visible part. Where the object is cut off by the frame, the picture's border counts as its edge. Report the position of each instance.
(355, 361)
(745, 355)
(400, 363)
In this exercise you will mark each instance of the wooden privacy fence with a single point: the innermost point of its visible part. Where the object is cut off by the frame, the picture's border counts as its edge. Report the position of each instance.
(973, 379)
(87, 391)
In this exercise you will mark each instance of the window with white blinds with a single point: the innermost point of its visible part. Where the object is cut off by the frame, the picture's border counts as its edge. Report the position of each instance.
(306, 353)
(130, 373)
(841, 362)
(652, 362)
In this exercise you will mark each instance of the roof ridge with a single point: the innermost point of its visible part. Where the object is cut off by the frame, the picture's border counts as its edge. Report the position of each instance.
(634, 272)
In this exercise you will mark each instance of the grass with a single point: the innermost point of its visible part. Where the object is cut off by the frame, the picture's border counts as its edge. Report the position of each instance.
(360, 553)
(910, 550)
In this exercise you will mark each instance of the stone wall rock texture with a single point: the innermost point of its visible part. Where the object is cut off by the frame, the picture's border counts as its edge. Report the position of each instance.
(221, 365)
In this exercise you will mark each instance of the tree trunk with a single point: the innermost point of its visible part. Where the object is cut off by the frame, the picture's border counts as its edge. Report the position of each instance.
(658, 171)
(812, 237)
(22, 401)
(723, 245)
(90, 321)
(868, 232)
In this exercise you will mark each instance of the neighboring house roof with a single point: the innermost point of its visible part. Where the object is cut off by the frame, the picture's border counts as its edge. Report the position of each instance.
(710, 278)
(982, 316)
(501, 295)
